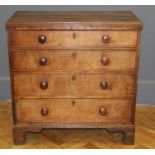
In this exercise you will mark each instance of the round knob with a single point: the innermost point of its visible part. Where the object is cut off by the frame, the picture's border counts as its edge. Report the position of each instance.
(102, 111)
(42, 39)
(105, 61)
(106, 39)
(43, 61)
(44, 111)
(44, 85)
(104, 84)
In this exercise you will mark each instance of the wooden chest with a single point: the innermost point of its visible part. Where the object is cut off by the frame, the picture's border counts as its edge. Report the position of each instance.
(74, 70)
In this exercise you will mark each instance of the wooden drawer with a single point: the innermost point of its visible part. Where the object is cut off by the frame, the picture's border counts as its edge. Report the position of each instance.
(67, 85)
(78, 111)
(73, 60)
(70, 39)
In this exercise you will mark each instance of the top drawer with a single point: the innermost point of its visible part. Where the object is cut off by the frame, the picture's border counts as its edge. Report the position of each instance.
(71, 39)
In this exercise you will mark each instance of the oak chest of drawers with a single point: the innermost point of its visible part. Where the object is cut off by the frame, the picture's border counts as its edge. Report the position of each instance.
(74, 70)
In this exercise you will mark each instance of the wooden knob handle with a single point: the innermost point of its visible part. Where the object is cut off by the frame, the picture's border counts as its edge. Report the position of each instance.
(44, 85)
(43, 61)
(44, 111)
(105, 61)
(104, 84)
(106, 39)
(102, 111)
(42, 39)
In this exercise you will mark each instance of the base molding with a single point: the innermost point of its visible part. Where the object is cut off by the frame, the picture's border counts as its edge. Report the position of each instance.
(20, 131)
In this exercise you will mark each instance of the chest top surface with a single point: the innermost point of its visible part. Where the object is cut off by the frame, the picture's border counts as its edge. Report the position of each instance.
(74, 20)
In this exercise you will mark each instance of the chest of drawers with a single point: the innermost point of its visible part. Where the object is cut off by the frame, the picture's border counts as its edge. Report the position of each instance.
(74, 70)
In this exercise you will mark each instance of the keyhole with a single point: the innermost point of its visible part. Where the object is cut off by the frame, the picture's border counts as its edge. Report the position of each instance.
(74, 36)
(73, 77)
(74, 55)
(73, 102)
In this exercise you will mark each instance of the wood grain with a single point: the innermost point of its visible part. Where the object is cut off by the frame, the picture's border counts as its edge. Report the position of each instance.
(79, 20)
(64, 39)
(73, 85)
(73, 68)
(83, 112)
(68, 60)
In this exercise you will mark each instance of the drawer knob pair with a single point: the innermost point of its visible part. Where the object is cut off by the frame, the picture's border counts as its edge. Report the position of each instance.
(44, 85)
(106, 39)
(102, 111)
(44, 111)
(104, 60)
(42, 39)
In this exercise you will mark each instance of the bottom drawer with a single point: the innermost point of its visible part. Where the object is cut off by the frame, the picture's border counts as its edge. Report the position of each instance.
(78, 111)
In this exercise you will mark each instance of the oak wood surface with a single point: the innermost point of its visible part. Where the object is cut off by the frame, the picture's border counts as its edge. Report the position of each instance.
(65, 39)
(80, 20)
(82, 112)
(73, 60)
(73, 85)
(82, 58)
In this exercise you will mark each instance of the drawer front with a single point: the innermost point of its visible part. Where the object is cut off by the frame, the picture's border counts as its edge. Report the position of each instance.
(70, 39)
(58, 85)
(74, 60)
(79, 111)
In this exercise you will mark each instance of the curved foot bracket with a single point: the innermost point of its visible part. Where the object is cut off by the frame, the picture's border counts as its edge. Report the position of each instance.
(128, 133)
(19, 133)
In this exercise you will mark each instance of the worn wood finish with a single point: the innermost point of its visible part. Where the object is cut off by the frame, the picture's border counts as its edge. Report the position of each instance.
(71, 20)
(74, 70)
(82, 112)
(73, 60)
(66, 39)
(73, 85)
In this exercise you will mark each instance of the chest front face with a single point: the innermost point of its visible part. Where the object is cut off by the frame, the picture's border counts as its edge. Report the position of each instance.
(74, 69)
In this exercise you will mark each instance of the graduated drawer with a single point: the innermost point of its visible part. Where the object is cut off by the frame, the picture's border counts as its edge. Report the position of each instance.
(79, 111)
(71, 39)
(67, 85)
(48, 60)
